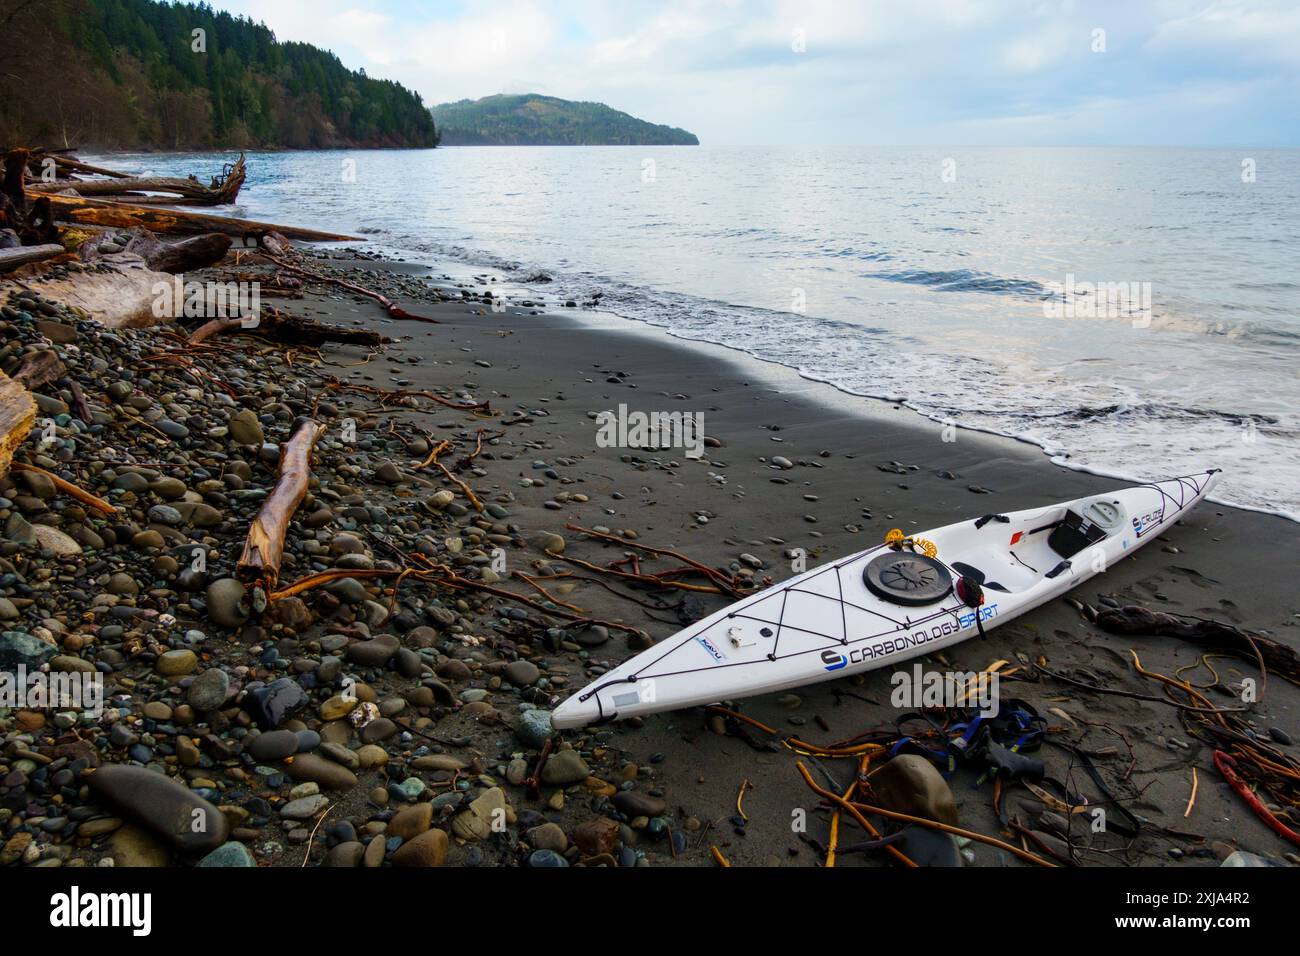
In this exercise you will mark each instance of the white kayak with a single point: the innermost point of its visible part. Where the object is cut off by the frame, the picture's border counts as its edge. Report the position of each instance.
(887, 604)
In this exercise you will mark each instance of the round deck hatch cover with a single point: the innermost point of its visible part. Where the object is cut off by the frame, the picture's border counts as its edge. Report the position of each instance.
(902, 577)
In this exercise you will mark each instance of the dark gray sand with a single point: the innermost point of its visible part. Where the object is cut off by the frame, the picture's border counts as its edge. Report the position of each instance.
(1221, 562)
(183, 441)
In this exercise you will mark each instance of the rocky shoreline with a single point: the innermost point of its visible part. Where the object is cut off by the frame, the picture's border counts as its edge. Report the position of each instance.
(341, 716)
(349, 726)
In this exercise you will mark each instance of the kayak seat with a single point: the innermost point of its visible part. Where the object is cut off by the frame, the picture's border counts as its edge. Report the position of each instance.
(1073, 534)
(977, 575)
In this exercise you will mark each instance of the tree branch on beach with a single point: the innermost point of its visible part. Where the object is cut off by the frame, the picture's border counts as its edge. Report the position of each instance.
(401, 395)
(282, 327)
(392, 308)
(722, 584)
(264, 548)
(423, 569)
(68, 488)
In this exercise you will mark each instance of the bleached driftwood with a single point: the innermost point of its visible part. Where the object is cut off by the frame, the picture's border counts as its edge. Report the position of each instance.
(17, 416)
(264, 548)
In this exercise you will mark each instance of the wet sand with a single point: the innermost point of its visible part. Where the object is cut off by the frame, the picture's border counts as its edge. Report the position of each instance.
(430, 694)
(560, 369)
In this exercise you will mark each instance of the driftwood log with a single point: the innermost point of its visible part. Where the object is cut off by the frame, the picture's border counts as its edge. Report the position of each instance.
(289, 329)
(124, 293)
(1277, 657)
(17, 416)
(68, 163)
(12, 184)
(22, 255)
(197, 252)
(39, 368)
(33, 222)
(223, 189)
(182, 222)
(264, 547)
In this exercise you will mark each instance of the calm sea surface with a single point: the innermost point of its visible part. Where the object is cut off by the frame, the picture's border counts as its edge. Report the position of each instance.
(1133, 311)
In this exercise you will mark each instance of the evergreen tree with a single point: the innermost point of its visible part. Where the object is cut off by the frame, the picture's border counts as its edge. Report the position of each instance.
(279, 94)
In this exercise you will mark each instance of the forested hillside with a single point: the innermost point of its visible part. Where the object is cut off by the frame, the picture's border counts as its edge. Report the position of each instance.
(135, 73)
(533, 120)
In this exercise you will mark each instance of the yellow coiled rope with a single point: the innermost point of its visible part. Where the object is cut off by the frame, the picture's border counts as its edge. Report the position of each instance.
(897, 540)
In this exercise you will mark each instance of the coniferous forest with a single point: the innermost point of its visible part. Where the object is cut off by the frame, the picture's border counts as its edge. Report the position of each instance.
(140, 74)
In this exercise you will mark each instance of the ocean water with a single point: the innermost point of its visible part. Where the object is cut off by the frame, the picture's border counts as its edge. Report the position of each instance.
(1134, 312)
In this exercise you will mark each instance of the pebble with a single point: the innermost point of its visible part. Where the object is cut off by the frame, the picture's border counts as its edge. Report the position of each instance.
(410, 822)
(245, 429)
(274, 745)
(304, 808)
(175, 814)
(547, 542)
(540, 859)
(227, 602)
(329, 775)
(633, 803)
(548, 836)
(133, 847)
(453, 670)
(346, 855)
(596, 836)
(522, 673)
(177, 663)
(229, 856)
(271, 705)
(426, 850)
(378, 730)
(487, 811)
(54, 540)
(517, 771)
(564, 768)
(20, 649)
(373, 653)
(534, 728)
(341, 755)
(209, 690)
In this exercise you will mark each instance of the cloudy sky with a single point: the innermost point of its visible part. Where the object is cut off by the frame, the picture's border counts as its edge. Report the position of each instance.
(925, 72)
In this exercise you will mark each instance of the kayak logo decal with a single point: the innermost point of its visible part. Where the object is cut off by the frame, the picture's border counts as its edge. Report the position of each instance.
(968, 620)
(1144, 523)
(834, 661)
(711, 649)
(938, 631)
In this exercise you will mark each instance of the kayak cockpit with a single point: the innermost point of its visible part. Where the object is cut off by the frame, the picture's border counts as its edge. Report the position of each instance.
(1021, 551)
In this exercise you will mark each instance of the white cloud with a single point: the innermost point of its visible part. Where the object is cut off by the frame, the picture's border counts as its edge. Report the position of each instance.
(872, 72)
(1270, 30)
